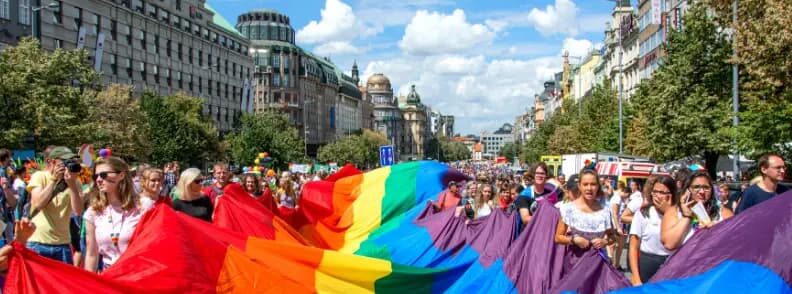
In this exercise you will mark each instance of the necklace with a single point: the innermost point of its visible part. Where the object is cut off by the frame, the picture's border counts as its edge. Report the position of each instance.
(115, 235)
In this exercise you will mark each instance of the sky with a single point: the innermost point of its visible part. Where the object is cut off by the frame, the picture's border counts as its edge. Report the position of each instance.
(481, 61)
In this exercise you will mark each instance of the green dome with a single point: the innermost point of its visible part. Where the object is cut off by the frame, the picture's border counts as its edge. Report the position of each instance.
(413, 97)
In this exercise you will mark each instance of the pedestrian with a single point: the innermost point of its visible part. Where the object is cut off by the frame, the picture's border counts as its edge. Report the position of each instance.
(726, 208)
(55, 195)
(585, 223)
(646, 253)
(505, 196)
(538, 191)
(681, 222)
(773, 170)
(286, 195)
(8, 197)
(112, 217)
(222, 177)
(449, 198)
(636, 200)
(617, 204)
(485, 202)
(252, 185)
(191, 200)
(151, 181)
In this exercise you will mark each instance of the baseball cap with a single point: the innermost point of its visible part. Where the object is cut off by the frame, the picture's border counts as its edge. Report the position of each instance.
(61, 152)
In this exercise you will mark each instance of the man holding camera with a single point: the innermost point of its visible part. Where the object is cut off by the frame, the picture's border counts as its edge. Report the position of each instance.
(55, 195)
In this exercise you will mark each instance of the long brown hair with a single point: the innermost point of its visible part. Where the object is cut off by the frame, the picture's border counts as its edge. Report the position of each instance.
(126, 190)
(649, 188)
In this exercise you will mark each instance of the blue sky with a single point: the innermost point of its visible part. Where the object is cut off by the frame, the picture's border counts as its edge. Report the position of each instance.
(481, 61)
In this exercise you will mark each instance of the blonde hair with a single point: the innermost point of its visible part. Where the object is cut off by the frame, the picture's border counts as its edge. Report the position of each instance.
(145, 176)
(187, 176)
(126, 191)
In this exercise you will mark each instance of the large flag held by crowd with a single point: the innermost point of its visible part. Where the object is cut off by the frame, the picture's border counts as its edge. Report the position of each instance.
(377, 232)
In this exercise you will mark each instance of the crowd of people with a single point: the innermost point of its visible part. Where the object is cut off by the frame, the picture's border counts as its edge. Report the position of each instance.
(655, 217)
(85, 216)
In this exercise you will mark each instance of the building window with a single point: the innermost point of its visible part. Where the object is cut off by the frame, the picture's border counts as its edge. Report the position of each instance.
(156, 44)
(190, 55)
(24, 11)
(276, 80)
(143, 74)
(209, 87)
(57, 14)
(217, 64)
(142, 37)
(5, 9)
(168, 47)
(200, 85)
(97, 20)
(127, 31)
(113, 30)
(58, 43)
(155, 71)
(113, 64)
(200, 58)
(226, 66)
(218, 88)
(179, 53)
(78, 19)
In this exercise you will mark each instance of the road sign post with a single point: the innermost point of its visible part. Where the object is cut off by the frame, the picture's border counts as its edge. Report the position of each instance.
(386, 155)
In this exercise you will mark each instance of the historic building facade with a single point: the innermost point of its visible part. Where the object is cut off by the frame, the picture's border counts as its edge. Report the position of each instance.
(387, 116)
(416, 129)
(162, 46)
(319, 99)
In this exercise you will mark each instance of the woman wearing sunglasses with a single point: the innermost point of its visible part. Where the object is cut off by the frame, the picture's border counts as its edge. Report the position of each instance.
(190, 198)
(679, 225)
(112, 215)
(646, 251)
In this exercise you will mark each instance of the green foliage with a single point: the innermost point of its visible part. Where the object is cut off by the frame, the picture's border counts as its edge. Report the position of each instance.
(39, 99)
(120, 123)
(361, 150)
(266, 132)
(178, 129)
(686, 103)
(510, 150)
(453, 151)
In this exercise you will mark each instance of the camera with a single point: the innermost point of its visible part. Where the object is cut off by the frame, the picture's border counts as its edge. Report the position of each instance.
(72, 166)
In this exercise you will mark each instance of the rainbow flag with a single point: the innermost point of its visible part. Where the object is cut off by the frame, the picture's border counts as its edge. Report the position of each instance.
(376, 232)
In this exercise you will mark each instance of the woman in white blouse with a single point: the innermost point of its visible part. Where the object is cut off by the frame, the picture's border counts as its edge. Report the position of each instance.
(585, 222)
(646, 251)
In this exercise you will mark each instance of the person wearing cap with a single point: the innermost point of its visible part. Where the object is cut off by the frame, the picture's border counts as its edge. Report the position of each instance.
(55, 196)
(448, 199)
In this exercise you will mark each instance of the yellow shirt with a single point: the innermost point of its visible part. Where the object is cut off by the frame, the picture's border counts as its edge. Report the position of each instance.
(52, 222)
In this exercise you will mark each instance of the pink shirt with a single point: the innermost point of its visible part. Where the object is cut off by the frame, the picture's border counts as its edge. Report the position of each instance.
(111, 222)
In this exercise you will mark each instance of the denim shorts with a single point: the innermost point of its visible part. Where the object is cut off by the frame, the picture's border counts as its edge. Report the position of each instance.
(57, 252)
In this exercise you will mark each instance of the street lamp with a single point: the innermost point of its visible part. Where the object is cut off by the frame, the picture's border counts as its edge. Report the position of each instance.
(34, 11)
(735, 92)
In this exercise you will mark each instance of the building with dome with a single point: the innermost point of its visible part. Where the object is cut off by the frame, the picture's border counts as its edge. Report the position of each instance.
(416, 129)
(387, 118)
(319, 99)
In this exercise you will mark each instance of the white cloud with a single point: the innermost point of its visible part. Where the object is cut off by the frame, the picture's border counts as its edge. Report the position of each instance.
(482, 94)
(430, 33)
(562, 17)
(338, 24)
(577, 47)
(557, 18)
(336, 48)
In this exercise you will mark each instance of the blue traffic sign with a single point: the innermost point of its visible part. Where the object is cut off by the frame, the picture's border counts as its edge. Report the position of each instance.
(386, 155)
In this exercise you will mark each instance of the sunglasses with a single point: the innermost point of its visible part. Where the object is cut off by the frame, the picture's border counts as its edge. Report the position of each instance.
(103, 175)
(198, 181)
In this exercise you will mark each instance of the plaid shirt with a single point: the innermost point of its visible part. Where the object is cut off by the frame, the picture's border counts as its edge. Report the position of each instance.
(170, 179)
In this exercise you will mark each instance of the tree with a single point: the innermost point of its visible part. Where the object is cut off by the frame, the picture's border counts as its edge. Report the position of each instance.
(121, 123)
(686, 103)
(41, 105)
(454, 151)
(178, 130)
(510, 150)
(636, 141)
(361, 150)
(268, 132)
(597, 124)
(763, 32)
